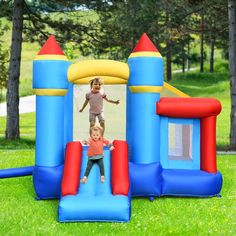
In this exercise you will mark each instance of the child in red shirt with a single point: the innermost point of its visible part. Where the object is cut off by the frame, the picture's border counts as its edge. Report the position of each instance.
(95, 151)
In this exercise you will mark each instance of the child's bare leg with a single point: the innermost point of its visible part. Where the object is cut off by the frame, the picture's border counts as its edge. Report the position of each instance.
(92, 123)
(87, 171)
(102, 124)
(84, 180)
(102, 178)
(92, 119)
(101, 167)
(101, 121)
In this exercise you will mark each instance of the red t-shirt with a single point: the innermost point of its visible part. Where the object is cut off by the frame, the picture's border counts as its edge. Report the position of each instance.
(96, 147)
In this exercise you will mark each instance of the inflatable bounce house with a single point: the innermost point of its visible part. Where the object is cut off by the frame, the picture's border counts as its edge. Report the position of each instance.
(170, 146)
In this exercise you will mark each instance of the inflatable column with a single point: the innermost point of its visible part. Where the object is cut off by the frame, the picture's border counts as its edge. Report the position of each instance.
(50, 85)
(143, 125)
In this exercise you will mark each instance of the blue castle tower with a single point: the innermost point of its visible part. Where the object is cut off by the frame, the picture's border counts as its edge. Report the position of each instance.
(50, 85)
(143, 124)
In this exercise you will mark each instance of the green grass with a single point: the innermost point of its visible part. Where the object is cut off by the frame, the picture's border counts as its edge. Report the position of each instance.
(21, 214)
(27, 133)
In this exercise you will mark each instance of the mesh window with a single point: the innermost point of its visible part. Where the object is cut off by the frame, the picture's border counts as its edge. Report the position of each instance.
(180, 142)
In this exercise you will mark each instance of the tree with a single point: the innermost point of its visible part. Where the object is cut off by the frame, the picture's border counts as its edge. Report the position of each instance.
(35, 26)
(12, 130)
(215, 29)
(121, 27)
(202, 41)
(232, 69)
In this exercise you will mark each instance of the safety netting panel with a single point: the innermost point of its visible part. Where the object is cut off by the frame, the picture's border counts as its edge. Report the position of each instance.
(180, 141)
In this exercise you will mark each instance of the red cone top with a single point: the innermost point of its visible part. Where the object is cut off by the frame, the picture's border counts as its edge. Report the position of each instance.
(145, 45)
(51, 47)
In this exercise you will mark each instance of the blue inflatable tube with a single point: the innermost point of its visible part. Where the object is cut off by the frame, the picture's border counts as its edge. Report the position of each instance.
(16, 172)
(191, 183)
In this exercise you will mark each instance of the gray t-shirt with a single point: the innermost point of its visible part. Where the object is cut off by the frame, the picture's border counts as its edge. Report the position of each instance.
(95, 102)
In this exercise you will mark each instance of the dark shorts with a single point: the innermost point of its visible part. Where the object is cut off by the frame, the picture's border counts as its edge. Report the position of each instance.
(92, 117)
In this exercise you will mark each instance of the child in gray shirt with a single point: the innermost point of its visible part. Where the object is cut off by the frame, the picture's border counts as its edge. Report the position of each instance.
(95, 100)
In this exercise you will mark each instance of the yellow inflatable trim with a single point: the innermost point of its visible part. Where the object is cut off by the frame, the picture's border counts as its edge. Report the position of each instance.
(50, 92)
(145, 89)
(112, 71)
(50, 57)
(105, 79)
(145, 54)
(175, 90)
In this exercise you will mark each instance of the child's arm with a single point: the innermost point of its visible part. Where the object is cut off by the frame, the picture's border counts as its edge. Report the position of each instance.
(112, 101)
(84, 105)
(85, 142)
(107, 143)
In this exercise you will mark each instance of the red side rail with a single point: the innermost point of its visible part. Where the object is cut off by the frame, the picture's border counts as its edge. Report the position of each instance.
(72, 166)
(120, 169)
(188, 107)
(208, 144)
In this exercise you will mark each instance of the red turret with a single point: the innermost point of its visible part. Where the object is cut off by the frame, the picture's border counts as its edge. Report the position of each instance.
(145, 48)
(51, 47)
(145, 45)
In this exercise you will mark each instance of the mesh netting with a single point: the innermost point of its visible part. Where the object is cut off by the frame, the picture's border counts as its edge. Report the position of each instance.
(179, 142)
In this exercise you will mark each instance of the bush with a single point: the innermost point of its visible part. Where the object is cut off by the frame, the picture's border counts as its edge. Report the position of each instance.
(221, 66)
(25, 88)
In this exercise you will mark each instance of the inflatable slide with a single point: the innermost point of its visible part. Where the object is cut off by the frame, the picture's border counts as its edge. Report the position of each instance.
(95, 201)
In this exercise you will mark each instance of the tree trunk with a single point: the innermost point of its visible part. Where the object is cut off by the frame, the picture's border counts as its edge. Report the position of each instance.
(168, 61)
(212, 55)
(183, 58)
(232, 69)
(202, 44)
(188, 54)
(12, 129)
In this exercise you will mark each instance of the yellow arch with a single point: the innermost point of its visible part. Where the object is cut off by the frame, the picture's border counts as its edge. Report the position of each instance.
(112, 72)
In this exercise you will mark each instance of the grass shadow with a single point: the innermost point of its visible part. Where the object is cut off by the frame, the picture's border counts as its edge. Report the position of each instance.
(22, 143)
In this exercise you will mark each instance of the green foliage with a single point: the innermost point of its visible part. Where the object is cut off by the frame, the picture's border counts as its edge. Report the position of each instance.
(4, 57)
(25, 88)
(64, 20)
(221, 66)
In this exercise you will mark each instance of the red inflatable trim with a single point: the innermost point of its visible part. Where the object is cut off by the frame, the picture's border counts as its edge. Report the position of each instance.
(72, 166)
(145, 45)
(51, 47)
(208, 144)
(120, 168)
(188, 107)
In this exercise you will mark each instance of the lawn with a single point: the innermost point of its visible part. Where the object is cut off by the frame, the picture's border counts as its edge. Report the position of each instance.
(21, 214)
